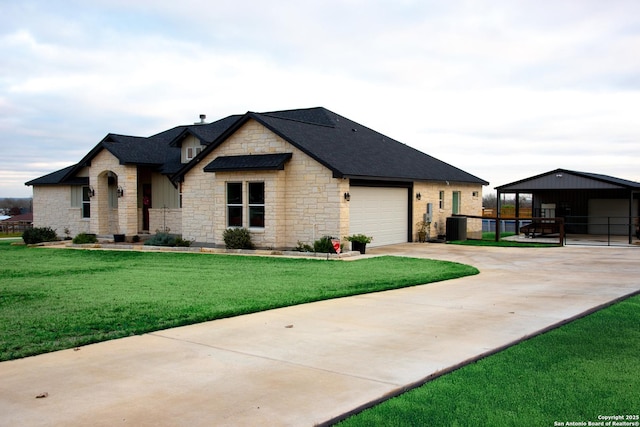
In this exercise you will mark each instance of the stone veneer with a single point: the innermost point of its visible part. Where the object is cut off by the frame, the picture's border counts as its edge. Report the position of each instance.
(302, 202)
(102, 221)
(469, 205)
(52, 208)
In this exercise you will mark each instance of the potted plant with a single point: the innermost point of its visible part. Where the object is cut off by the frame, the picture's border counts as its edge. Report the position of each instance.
(359, 242)
(423, 231)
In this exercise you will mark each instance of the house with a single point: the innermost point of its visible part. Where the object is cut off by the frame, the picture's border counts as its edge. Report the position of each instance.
(288, 176)
(589, 203)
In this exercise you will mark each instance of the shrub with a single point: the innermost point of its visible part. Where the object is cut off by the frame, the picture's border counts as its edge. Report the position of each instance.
(135, 239)
(360, 238)
(161, 239)
(324, 245)
(237, 238)
(84, 238)
(182, 242)
(39, 234)
(303, 247)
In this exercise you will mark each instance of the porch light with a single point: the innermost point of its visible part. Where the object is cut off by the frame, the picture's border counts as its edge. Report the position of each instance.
(120, 191)
(91, 191)
(347, 196)
(418, 196)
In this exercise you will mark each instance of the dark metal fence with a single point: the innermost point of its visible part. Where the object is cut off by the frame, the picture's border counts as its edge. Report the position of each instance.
(583, 230)
(612, 230)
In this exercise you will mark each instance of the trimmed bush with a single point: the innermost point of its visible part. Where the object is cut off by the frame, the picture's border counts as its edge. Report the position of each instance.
(161, 239)
(303, 247)
(83, 238)
(324, 245)
(32, 236)
(166, 239)
(182, 242)
(237, 238)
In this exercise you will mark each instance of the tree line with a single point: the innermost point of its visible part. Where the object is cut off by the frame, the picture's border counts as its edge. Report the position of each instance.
(12, 206)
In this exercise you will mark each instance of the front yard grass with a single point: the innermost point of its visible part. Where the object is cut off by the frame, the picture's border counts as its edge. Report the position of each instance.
(489, 239)
(575, 373)
(52, 299)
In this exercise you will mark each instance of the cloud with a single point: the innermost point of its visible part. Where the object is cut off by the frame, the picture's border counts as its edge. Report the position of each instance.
(501, 89)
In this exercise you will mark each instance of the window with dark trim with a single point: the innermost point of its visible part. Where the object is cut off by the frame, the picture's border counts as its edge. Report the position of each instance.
(234, 204)
(256, 204)
(86, 203)
(441, 201)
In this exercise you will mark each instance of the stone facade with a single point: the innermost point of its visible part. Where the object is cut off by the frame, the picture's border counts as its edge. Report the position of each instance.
(52, 208)
(302, 202)
(470, 204)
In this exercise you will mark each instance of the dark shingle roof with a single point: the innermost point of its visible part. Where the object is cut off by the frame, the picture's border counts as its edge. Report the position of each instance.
(352, 150)
(57, 177)
(248, 162)
(344, 146)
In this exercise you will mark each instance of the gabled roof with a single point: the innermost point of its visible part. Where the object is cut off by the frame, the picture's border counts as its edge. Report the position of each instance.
(57, 177)
(206, 133)
(347, 148)
(159, 151)
(564, 179)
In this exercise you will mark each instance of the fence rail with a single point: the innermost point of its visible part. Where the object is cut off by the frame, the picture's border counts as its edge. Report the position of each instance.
(607, 229)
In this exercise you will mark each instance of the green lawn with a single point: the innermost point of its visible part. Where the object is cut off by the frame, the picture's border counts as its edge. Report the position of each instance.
(52, 299)
(572, 374)
(489, 239)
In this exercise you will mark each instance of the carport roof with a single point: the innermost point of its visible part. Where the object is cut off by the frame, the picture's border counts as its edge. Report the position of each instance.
(564, 179)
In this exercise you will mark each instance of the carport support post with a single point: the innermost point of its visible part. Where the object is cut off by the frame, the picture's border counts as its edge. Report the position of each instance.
(517, 213)
(631, 217)
(498, 208)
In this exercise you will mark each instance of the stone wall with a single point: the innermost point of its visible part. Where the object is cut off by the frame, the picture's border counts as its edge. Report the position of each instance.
(302, 203)
(52, 208)
(159, 219)
(470, 204)
(102, 221)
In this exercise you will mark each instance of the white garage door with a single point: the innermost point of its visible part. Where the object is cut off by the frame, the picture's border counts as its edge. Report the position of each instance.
(380, 212)
(610, 215)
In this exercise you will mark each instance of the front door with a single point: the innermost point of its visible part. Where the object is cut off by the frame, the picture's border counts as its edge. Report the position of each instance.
(146, 205)
(455, 204)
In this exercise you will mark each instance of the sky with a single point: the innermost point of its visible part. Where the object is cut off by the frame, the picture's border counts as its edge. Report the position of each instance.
(503, 89)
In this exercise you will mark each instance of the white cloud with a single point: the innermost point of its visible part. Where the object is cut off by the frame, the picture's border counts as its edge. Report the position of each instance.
(500, 89)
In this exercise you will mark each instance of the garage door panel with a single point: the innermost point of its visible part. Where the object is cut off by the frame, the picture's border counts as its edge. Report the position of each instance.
(380, 212)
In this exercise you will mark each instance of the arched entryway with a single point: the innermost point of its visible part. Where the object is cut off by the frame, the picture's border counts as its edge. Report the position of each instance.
(106, 203)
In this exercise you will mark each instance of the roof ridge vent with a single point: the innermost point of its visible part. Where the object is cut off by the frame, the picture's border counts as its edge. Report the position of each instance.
(202, 120)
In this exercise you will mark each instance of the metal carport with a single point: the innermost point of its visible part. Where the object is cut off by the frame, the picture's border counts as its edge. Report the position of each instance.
(584, 200)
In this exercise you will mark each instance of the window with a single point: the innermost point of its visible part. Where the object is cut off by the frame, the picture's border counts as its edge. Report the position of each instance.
(441, 201)
(256, 204)
(86, 203)
(234, 204)
(455, 204)
(475, 194)
(192, 152)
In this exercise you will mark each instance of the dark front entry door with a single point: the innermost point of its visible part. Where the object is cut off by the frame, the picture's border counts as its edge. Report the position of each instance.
(146, 205)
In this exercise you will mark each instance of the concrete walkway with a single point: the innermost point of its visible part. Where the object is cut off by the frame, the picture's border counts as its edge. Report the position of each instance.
(312, 363)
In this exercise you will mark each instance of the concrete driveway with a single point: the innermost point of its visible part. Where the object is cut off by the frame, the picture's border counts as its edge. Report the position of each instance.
(312, 363)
